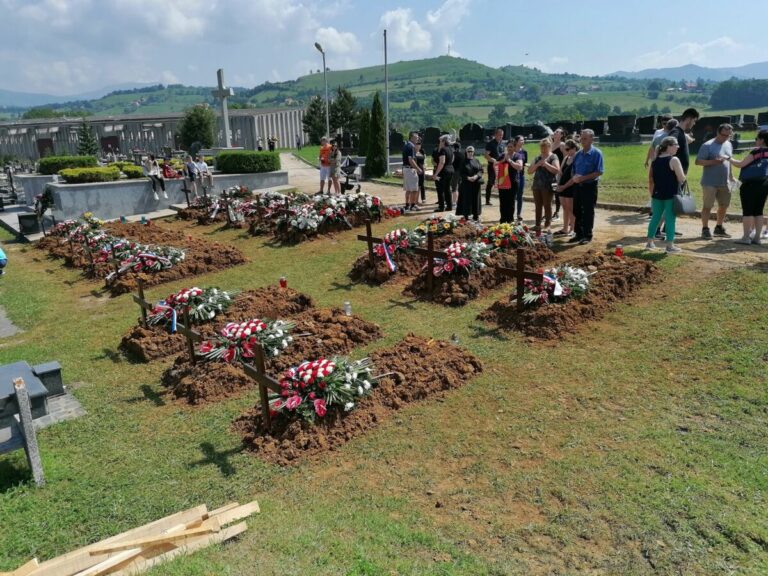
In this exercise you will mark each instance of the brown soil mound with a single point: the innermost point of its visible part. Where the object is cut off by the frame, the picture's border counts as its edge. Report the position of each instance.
(147, 344)
(421, 369)
(408, 265)
(151, 343)
(458, 289)
(329, 332)
(614, 280)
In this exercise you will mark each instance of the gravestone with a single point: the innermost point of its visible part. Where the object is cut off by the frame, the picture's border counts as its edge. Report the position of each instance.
(430, 139)
(597, 126)
(705, 129)
(568, 126)
(36, 390)
(396, 141)
(621, 128)
(748, 122)
(513, 130)
(472, 134)
(762, 118)
(646, 124)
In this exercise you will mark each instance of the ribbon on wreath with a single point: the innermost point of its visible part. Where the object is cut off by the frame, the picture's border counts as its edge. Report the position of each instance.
(163, 306)
(552, 279)
(388, 257)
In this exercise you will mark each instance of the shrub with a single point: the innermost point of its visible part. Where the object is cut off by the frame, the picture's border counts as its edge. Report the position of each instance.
(247, 162)
(85, 175)
(120, 165)
(132, 172)
(52, 164)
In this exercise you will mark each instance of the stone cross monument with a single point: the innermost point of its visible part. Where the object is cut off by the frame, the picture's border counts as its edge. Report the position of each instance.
(223, 93)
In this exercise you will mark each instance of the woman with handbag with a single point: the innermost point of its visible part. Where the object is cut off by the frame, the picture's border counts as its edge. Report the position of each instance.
(754, 188)
(665, 177)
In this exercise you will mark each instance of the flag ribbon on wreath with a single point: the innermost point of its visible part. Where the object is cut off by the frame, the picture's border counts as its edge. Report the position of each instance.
(552, 279)
(388, 257)
(163, 306)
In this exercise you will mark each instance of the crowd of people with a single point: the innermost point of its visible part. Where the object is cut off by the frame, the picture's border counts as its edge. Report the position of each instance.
(565, 177)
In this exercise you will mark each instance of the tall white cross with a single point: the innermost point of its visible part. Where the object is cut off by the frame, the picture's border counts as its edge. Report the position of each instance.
(223, 93)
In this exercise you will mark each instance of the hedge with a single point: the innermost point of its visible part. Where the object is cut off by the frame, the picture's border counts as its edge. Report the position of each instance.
(247, 162)
(132, 172)
(85, 175)
(52, 164)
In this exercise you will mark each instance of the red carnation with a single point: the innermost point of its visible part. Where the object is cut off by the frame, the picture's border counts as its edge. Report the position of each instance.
(320, 408)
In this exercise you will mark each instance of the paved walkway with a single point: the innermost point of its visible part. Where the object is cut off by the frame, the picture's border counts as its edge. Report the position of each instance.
(611, 226)
(7, 328)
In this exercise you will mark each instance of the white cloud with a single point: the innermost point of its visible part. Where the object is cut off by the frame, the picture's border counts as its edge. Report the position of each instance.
(551, 65)
(717, 52)
(404, 31)
(337, 42)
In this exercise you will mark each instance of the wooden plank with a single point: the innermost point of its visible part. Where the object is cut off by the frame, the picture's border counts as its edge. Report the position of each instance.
(24, 570)
(81, 559)
(223, 509)
(210, 525)
(107, 565)
(239, 513)
(144, 564)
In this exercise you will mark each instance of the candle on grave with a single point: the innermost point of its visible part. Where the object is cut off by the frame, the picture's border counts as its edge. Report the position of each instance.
(143, 219)
(283, 282)
(122, 220)
(619, 251)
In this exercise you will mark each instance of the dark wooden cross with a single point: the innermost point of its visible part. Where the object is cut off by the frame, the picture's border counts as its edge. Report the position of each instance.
(370, 240)
(258, 371)
(186, 191)
(521, 275)
(431, 255)
(190, 334)
(142, 302)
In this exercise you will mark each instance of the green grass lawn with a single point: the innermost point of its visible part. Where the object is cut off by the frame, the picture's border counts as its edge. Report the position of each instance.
(636, 446)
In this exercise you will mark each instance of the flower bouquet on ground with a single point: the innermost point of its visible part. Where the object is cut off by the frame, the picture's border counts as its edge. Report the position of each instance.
(559, 284)
(238, 192)
(204, 305)
(462, 257)
(507, 236)
(399, 240)
(312, 388)
(142, 258)
(439, 225)
(237, 340)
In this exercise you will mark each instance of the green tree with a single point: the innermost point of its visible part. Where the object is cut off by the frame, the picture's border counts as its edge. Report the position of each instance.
(314, 119)
(197, 126)
(498, 115)
(87, 145)
(343, 112)
(364, 123)
(377, 157)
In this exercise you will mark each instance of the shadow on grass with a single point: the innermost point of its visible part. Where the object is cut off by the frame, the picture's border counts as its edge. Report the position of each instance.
(656, 256)
(347, 287)
(407, 304)
(149, 395)
(117, 357)
(486, 331)
(760, 267)
(218, 459)
(12, 475)
(628, 219)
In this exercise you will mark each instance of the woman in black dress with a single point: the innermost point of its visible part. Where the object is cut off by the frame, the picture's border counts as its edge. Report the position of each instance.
(566, 192)
(420, 157)
(471, 173)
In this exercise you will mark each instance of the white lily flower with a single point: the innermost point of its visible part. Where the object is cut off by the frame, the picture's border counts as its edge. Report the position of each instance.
(348, 406)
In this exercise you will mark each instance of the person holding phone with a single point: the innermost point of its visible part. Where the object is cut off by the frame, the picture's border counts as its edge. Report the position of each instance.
(716, 175)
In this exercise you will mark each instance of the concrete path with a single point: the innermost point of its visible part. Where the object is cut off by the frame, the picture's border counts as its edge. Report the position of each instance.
(611, 226)
(7, 328)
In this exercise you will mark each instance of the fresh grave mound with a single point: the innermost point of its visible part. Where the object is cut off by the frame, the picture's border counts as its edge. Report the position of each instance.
(459, 287)
(613, 279)
(408, 264)
(420, 369)
(318, 332)
(155, 341)
(201, 257)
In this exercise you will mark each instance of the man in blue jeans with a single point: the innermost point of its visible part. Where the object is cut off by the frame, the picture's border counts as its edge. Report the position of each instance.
(587, 169)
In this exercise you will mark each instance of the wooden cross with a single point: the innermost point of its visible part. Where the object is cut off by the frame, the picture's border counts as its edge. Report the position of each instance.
(258, 371)
(191, 335)
(141, 301)
(186, 191)
(370, 239)
(521, 275)
(431, 255)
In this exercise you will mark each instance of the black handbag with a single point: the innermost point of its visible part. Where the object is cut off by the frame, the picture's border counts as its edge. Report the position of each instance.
(684, 202)
(756, 170)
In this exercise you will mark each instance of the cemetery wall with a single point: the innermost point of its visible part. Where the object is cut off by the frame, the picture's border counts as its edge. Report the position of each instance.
(33, 184)
(110, 200)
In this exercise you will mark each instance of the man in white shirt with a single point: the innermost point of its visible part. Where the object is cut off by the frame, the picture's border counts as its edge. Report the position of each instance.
(203, 173)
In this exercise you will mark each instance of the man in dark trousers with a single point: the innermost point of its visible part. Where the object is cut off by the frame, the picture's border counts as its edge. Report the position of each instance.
(494, 151)
(587, 169)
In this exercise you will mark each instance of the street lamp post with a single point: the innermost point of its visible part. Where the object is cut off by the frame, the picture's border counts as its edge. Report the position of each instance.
(386, 99)
(327, 103)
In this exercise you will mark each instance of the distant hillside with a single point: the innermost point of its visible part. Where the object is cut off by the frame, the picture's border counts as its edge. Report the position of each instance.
(9, 98)
(692, 72)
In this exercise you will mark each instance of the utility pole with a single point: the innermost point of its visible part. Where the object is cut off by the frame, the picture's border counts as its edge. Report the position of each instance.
(386, 100)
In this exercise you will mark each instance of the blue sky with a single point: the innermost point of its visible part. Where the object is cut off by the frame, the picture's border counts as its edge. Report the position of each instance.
(71, 46)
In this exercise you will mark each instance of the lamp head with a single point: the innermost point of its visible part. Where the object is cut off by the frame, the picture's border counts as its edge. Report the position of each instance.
(319, 48)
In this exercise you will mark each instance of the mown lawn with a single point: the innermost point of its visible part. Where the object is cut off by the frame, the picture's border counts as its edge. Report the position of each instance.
(637, 446)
